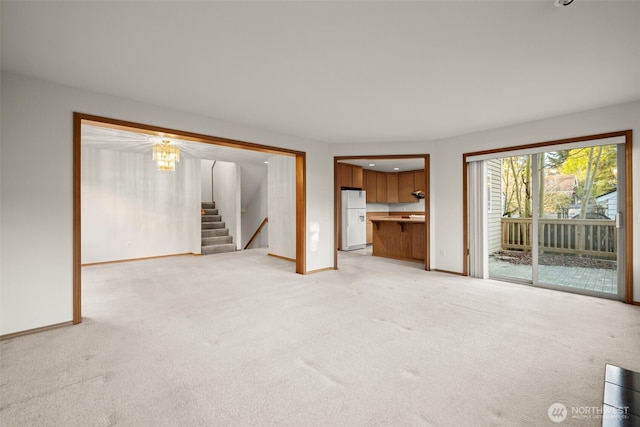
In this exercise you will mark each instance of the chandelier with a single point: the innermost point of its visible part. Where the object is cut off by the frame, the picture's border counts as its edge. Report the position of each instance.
(166, 155)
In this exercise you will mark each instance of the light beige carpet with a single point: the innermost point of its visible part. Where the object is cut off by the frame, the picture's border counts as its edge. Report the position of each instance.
(238, 339)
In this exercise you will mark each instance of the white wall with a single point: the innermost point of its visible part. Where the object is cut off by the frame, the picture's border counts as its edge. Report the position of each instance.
(226, 191)
(417, 206)
(130, 210)
(36, 177)
(281, 179)
(205, 181)
(252, 216)
(446, 169)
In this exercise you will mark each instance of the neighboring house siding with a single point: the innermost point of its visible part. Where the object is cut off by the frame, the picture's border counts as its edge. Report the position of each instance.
(610, 204)
(494, 208)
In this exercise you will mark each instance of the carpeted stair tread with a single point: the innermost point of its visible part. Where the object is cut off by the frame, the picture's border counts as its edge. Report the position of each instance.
(209, 225)
(217, 249)
(215, 232)
(217, 240)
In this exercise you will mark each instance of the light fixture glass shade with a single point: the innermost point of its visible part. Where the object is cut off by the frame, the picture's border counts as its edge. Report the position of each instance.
(166, 156)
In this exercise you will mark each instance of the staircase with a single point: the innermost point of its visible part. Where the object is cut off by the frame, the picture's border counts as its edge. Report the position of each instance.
(215, 237)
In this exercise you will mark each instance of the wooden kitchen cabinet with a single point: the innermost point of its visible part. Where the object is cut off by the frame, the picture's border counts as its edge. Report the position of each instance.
(406, 186)
(381, 187)
(357, 176)
(349, 175)
(371, 185)
(408, 182)
(418, 178)
(400, 238)
(392, 187)
(344, 175)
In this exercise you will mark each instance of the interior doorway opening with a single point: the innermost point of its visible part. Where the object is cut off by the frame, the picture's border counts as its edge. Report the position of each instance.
(79, 119)
(396, 188)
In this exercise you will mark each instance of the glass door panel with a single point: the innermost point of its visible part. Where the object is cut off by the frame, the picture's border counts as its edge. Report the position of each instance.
(577, 204)
(509, 219)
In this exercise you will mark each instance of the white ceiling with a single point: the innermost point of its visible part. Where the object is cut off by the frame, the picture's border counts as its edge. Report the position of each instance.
(387, 165)
(138, 142)
(338, 71)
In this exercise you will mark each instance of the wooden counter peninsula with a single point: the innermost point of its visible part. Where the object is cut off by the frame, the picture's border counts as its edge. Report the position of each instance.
(399, 237)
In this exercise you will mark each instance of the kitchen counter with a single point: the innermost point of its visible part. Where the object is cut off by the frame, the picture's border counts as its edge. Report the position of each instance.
(399, 237)
(399, 219)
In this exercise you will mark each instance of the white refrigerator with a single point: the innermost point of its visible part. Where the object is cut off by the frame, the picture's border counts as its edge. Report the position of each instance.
(354, 220)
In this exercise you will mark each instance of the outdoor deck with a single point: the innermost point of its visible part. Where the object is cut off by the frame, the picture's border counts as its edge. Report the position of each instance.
(592, 279)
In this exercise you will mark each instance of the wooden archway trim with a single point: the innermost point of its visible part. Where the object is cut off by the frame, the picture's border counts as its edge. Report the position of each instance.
(81, 118)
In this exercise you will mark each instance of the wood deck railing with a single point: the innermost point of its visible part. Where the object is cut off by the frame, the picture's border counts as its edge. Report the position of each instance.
(575, 236)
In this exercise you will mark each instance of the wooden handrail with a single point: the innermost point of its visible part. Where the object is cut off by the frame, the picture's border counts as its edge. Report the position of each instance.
(264, 221)
(212, 199)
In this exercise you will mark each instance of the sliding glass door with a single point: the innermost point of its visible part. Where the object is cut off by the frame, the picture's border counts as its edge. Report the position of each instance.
(559, 224)
(576, 219)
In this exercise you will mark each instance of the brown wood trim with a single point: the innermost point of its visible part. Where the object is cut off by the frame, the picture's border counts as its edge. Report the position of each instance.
(337, 218)
(189, 136)
(77, 225)
(628, 179)
(465, 218)
(546, 143)
(320, 270)
(264, 221)
(80, 118)
(628, 197)
(427, 210)
(382, 157)
(118, 261)
(301, 214)
(35, 330)
(282, 257)
(450, 272)
(404, 213)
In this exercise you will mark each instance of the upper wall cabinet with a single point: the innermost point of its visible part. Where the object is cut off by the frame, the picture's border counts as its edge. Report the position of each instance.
(371, 185)
(357, 176)
(408, 182)
(381, 187)
(406, 186)
(349, 175)
(418, 178)
(392, 187)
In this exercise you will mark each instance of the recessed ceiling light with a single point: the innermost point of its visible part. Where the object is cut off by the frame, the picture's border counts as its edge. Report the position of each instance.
(372, 164)
(396, 169)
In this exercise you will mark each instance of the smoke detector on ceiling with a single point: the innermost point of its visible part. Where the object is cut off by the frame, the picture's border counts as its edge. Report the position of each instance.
(562, 3)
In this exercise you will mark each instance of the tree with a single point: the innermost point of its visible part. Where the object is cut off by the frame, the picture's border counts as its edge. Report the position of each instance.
(516, 180)
(595, 170)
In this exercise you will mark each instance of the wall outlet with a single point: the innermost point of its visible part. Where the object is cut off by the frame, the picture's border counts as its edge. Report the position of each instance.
(443, 252)
(128, 244)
